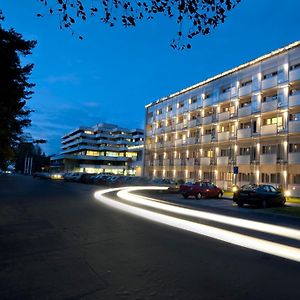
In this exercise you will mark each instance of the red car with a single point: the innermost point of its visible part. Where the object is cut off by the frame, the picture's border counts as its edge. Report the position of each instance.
(201, 190)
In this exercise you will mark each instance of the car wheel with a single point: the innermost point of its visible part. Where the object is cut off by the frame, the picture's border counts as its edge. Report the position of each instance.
(283, 202)
(220, 195)
(240, 203)
(185, 196)
(199, 196)
(264, 204)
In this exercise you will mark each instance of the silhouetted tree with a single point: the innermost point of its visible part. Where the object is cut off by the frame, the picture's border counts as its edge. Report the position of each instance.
(15, 90)
(193, 17)
(29, 149)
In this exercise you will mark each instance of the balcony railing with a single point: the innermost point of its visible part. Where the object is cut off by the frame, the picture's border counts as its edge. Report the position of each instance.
(190, 162)
(204, 161)
(269, 82)
(268, 129)
(192, 123)
(223, 136)
(192, 140)
(243, 160)
(207, 120)
(166, 162)
(294, 126)
(207, 102)
(222, 160)
(245, 90)
(268, 159)
(269, 105)
(294, 100)
(179, 126)
(244, 133)
(206, 138)
(294, 158)
(177, 162)
(295, 74)
(244, 111)
(224, 116)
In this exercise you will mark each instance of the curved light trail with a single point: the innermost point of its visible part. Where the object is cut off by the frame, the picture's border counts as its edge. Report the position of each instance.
(234, 238)
(243, 223)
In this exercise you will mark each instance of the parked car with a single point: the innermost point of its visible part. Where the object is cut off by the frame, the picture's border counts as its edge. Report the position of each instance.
(73, 176)
(186, 186)
(260, 195)
(201, 190)
(85, 177)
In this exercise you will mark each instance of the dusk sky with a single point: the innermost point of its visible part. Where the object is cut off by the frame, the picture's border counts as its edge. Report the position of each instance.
(114, 72)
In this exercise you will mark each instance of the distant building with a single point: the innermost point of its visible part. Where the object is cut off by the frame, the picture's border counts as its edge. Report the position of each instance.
(101, 148)
(241, 126)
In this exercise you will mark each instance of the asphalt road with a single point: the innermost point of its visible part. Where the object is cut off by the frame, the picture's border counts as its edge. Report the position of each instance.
(58, 242)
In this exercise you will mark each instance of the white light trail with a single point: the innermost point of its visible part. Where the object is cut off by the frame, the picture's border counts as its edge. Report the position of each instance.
(243, 223)
(261, 245)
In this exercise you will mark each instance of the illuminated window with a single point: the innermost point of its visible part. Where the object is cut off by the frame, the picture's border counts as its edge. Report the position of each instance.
(88, 132)
(92, 153)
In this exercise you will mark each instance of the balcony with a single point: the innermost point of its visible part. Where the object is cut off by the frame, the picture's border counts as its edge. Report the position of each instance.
(295, 74)
(193, 106)
(225, 96)
(268, 159)
(207, 120)
(243, 160)
(204, 161)
(166, 162)
(177, 162)
(179, 126)
(294, 100)
(192, 123)
(156, 162)
(178, 143)
(192, 140)
(224, 116)
(294, 126)
(269, 106)
(207, 102)
(222, 160)
(223, 136)
(206, 138)
(190, 162)
(245, 90)
(269, 82)
(294, 158)
(244, 133)
(244, 111)
(268, 129)
(168, 128)
(168, 144)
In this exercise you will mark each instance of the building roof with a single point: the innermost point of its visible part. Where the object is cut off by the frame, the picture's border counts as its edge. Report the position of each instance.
(240, 67)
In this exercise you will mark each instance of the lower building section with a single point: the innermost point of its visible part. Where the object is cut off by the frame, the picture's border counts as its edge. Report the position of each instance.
(69, 163)
(273, 160)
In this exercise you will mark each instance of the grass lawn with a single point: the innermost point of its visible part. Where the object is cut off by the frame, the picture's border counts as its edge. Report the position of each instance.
(293, 199)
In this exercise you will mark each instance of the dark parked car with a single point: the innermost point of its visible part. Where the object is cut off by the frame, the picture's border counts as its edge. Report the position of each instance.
(259, 195)
(86, 177)
(201, 190)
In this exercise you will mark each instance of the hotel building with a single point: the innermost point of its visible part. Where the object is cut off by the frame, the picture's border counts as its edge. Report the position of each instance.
(101, 148)
(247, 118)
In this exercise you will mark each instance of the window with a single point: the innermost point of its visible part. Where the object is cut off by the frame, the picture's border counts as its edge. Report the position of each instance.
(159, 111)
(294, 66)
(245, 125)
(88, 132)
(92, 153)
(295, 117)
(294, 148)
(294, 91)
(270, 74)
(225, 89)
(245, 151)
(169, 108)
(274, 121)
(180, 104)
(246, 82)
(193, 100)
(270, 149)
(270, 98)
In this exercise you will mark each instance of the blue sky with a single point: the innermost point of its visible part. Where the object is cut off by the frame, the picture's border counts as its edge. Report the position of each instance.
(114, 72)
